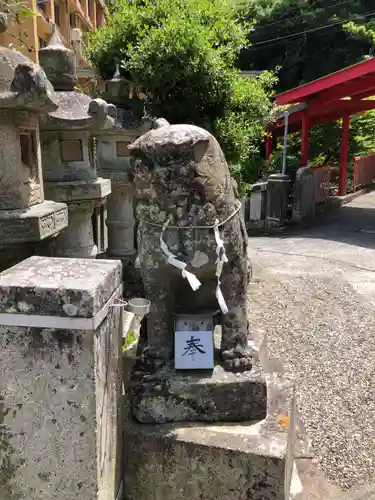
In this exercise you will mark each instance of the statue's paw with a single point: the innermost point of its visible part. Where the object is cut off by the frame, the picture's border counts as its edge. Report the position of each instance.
(237, 361)
(238, 365)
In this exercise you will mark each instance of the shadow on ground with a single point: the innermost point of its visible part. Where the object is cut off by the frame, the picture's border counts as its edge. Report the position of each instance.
(352, 225)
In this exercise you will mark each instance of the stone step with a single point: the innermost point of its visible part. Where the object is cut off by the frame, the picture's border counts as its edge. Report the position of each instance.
(206, 462)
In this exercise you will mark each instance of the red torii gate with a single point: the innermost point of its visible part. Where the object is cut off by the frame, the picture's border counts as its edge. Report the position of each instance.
(331, 98)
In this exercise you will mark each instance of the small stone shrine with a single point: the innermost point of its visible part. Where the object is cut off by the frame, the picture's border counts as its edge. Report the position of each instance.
(25, 93)
(68, 151)
(113, 158)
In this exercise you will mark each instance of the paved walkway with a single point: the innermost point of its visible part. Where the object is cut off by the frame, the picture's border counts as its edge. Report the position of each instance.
(314, 293)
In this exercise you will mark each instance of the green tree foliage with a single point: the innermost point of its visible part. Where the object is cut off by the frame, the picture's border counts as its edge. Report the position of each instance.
(12, 15)
(304, 40)
(307, 39)
(182, 55)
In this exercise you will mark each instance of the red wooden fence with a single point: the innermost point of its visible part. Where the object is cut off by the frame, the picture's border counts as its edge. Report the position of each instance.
(364, 171)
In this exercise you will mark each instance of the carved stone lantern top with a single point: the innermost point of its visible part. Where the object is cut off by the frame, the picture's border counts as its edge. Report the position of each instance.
(23, 84)
(76, 111)
(130, 109)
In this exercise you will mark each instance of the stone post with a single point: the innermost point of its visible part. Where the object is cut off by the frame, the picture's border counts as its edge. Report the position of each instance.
(277, 200)
(113, 162)
(60, 385)
(121, 222)
(258, 206)
(304, 195)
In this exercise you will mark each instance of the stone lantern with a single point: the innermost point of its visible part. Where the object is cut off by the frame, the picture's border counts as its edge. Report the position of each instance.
(25, 94)
(114, 162)
(68, 151)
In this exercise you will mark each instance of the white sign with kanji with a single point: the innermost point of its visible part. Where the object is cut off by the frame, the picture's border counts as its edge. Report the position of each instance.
(194, 350)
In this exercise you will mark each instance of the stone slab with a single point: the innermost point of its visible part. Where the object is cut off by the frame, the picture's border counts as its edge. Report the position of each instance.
(200, 395)
(51, 286)
(78, 190)
(223, 462)
(32, 224)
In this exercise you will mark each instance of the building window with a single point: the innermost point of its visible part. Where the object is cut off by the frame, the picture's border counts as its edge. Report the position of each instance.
(57, 14)
(122, 149)
(71, 150)
(42, 43)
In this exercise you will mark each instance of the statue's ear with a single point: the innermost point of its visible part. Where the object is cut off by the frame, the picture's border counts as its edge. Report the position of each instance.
(200, 149)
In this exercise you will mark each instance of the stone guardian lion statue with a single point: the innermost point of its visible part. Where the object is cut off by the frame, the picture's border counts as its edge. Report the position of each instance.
(192, 240)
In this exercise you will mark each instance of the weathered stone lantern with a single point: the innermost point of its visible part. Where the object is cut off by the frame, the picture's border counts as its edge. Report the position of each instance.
(114, 162)
(25, 93)
(68, 151)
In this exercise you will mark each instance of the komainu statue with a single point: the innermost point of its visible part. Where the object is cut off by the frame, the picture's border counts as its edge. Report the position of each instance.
(192, 240)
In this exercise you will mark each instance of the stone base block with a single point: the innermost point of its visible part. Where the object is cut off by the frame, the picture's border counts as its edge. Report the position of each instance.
(175, 396)
(207, 462)
(221, 461)
(32, 224)
(78, 190)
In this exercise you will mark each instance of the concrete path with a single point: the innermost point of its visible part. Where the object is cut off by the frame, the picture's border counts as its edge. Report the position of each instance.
(314, 294)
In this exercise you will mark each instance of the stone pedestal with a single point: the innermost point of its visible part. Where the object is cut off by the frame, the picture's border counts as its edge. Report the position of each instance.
(217, 461)
(60, 385)
(195, 395)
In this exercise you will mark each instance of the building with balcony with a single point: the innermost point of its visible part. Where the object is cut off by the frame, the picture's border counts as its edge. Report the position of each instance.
(73, 19)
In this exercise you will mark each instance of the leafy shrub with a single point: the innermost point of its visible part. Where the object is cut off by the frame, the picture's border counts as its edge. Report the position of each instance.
(181, 54)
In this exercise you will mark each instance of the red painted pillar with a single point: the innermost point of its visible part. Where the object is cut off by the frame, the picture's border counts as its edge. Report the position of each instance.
(305, 141)
(344, 155)
(268, 146)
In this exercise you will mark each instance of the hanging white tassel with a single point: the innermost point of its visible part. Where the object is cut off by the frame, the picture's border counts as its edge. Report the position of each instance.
(172, 259)
(192, 279)
(220, 261)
